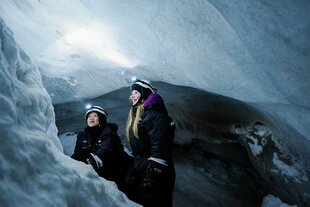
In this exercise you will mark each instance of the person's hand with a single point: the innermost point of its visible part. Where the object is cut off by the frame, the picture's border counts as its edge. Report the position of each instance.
(94, 160)
(152, 183)
(130, 177)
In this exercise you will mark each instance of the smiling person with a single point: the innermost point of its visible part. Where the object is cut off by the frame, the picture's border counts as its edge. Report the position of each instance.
(150, 132)
(100, 146)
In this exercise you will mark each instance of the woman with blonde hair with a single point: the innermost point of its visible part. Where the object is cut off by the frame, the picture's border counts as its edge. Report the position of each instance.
(150, 132)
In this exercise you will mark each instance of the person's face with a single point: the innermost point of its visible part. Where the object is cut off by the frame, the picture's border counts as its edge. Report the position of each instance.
(134, 96)
(93, 119)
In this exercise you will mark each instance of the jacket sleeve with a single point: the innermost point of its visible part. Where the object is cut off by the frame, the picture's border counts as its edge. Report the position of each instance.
(77, 155)
(109, 146)
(157, 127)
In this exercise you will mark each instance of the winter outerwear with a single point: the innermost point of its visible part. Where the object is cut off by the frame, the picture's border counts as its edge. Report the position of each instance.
(153, 169)
(104, 143)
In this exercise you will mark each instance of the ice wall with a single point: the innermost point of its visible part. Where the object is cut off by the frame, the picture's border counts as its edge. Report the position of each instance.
(34, 170)
(253, 51)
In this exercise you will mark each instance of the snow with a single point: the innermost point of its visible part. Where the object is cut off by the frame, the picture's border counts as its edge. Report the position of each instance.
(255, 148)
(257, 52)
(272, 201)
(289, 171)
(34, 170)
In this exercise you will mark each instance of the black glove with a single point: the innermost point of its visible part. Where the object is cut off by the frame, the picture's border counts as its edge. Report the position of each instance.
(130, 177)
(152, 184)
(94, 160)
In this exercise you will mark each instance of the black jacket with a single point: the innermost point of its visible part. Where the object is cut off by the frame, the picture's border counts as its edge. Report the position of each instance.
(104, 142)
(156, 133)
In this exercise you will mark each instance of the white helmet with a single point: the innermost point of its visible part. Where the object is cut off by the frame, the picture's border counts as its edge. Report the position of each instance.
(99, 110)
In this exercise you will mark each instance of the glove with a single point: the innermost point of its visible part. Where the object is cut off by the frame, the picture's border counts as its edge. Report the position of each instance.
(152, 184)
(130, 177)
(94, 160)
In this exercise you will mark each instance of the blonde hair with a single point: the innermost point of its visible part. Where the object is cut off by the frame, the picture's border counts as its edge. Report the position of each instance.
(131, 120)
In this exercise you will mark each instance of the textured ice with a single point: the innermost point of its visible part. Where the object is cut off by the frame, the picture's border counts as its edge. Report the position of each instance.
(251, 51)
(34, 170)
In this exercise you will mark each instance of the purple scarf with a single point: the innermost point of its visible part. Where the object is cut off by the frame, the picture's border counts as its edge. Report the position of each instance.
(153, 98)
